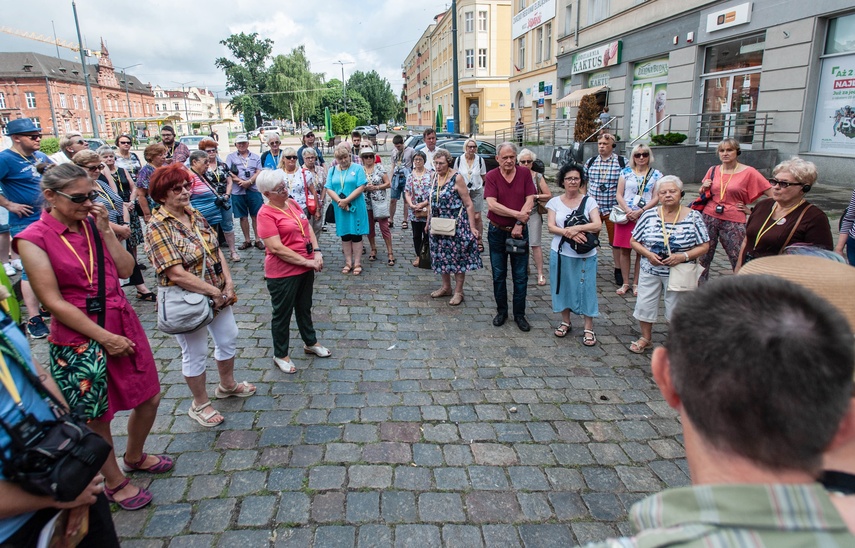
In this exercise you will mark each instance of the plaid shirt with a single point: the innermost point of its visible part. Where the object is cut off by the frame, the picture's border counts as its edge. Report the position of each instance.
(603, 178)
(748, 516)
(168, 242)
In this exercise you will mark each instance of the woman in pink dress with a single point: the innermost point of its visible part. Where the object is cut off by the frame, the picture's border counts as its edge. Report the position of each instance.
(103, 364)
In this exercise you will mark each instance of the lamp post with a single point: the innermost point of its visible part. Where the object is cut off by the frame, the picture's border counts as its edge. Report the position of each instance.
(343, 87)
(186, 114)
(127, 95)
(85, 70)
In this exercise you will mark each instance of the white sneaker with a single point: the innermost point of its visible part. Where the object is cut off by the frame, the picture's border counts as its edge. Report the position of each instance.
(17, 264)
(10, 270)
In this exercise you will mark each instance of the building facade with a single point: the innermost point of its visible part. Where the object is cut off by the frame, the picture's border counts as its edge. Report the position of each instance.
(777, 76)
(417, 88)
(534, 31)
(190, 104)
(52, 92)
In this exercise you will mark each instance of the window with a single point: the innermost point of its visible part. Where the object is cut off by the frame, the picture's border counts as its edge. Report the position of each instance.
(482, 20)
(521, 52)
(36, 122)
(175, 106)
(840, 32)
(539, 45)
(520, 5)
(31, 99)
(5, 120)
(468, 22)
(74, 100)
(482, 58)
(62, 103)
(569, 24)
(98, 104)
(2, 100)
(597, 10)
(470, 58)
(547, 43)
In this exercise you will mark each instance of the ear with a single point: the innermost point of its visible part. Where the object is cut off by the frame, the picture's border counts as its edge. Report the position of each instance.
(661, 365)
(846, 431)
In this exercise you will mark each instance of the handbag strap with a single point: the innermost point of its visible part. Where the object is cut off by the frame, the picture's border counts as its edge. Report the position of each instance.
(793, 231)
(102, 291)
(305, 184)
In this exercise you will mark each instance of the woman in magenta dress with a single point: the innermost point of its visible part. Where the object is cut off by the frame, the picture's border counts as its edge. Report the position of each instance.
(106, 368)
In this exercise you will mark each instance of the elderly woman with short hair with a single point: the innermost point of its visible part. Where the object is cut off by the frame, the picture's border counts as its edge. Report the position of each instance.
(310, 163)
(345, 187)
(155, 156)
(526, 158)
(291, 259)
(299, 181)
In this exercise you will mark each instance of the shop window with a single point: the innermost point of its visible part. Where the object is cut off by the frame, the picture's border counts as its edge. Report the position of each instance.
(834, 121)
(736, 55)
(841, 35)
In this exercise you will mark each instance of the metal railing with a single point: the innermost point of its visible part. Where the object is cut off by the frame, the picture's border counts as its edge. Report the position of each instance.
(749, 128)
(547, 132)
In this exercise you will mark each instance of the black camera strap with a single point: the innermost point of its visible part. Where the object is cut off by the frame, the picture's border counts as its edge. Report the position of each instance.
(102, 293)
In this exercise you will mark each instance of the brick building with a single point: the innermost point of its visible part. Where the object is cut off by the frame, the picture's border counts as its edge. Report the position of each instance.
(52, 92)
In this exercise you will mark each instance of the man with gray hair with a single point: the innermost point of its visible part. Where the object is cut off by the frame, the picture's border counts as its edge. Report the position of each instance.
(510, 198)
(69, 145)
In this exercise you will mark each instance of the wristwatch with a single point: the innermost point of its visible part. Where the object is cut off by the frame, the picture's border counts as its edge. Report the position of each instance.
(520, 223)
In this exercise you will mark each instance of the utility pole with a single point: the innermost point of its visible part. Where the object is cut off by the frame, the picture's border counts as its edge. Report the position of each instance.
(343, 86)
(186, 114)
(456, 81)
(127, 95)
(92, 116)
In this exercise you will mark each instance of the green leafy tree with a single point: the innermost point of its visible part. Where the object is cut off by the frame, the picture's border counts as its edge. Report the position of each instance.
(247, 77)
(377, 91)
(356, 104)
(49, 145)
(343, 123)
(292, 73)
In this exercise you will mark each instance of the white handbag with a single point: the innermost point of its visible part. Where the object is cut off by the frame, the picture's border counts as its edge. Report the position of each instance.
(440, 226)
(684, 276)
(181, 311)
(618, 215)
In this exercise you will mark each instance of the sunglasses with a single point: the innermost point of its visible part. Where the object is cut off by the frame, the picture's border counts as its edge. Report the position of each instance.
(124, 142)
(290, 157)
(178, 189)
(467, 146)
(524, 162)
(79, 198)
(783, 184)
(94, 169)
(641, 155)
(33, 137)
(211, 151)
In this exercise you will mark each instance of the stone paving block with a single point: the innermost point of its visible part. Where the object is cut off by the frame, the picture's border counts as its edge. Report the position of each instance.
(247, 482)
(168, 490)
(317, 434)
(586, 532)
(132, 525)
(604, 506)
(193, 441)
(461, 413)
(512, 432)
(281, 436)
(213, 516)
(600, 478)
(457, 455)
(533, 454)
(528, 478)
(667, 448)
(412, 479)
(669, 473)
(373, 477)
(535, 506)
(274, 456)
(248, 538)
(639, 479)
(541, 432)
(489, 412)
(417, 536)
(440, 433)
(493, 507)
(387, 452)
(237, 439)
(142, 543)
(500, 536)
(168, 520)
(398, 507)
(335, 536)
(239, 459)
(488, 478)
(374, 536)
(324, 478)
(286, 479)
(360, 433)
(190, 464)
(206, 487)
(343, 452)
(192, 541)
(477, 432)
(425, 454)
(571, 432)
(571, 454)
(461, 536)
(375, 414)
(546, 535)
(328, 507)
(293, 508)
(363, 507)
(493, 454)
(451, 479)
(287, 537)
(568, 506)
(306, 455)
(608, 453)
(434, 413)
(256, 511)
(408, 432)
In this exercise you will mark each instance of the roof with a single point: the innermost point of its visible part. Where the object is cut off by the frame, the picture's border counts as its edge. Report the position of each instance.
(12, 66)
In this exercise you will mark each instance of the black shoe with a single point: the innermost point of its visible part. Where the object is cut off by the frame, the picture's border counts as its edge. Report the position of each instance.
(618, 276)
(142, 266)
(522, 323)
(499, 319)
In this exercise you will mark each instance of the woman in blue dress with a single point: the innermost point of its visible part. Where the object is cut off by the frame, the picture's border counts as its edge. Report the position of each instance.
(345, 187)
(449, 198)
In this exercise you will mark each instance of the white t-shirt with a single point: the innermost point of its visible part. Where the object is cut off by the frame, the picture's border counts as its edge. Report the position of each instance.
(473, 174)
(561, 213)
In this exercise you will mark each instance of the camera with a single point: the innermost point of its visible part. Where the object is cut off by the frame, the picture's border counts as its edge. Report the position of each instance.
(748, 257)
(221, 188)
(662, 255)
(223, 203)
(719, 209)
(234, 170)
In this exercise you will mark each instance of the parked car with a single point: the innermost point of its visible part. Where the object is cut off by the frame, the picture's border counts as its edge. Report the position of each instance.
(455, 147)
(95, 143)
(371, 131)
(267, 129)
(417, 138)
(192, 141)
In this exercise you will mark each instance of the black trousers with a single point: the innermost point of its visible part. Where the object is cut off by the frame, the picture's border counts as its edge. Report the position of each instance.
(102, 533)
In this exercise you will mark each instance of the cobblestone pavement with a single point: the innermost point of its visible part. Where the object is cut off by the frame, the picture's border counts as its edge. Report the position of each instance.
(427, 426)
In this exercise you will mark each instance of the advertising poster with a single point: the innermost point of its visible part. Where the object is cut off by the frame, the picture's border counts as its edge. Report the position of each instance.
(660, 97)
(834, 126)
(635, 113)
(646, 95)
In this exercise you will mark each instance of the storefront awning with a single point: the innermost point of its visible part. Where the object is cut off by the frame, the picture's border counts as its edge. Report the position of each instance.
(574, 98)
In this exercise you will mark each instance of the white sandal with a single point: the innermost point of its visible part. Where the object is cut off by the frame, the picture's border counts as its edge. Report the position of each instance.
(205, 418)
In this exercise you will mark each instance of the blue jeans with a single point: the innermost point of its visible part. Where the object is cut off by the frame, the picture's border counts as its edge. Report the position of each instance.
(499, 263)
(850, 250)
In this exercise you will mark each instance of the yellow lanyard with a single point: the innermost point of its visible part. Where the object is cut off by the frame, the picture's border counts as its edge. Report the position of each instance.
(643, 181)
(764, 229)
(104, 193)
(291, 214)
(31, 162)
(438, 186)
(91, 272)
(216, 173)
(204, 242)
(665, 234)
(8, 382)
(723, 189)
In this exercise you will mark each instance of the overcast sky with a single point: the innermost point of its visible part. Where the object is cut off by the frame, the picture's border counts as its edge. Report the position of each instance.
(178, 40)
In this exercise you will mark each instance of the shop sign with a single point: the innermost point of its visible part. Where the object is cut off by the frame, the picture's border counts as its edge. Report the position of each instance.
(547, 88)
(598, 79)
(604, 56)
(651, 69)
(534, 15)
(730, 17)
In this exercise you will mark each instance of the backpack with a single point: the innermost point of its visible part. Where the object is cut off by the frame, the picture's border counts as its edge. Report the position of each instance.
(620, 160)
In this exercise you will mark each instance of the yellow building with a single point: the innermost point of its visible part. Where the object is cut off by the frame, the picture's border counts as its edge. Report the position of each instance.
(483, 64)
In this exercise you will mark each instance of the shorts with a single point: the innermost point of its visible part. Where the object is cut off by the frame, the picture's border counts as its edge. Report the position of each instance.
(477, 197)
(4, 220)
(535, 229)
(228, 223)
(247, 204)
(398, 185)
(650, 288)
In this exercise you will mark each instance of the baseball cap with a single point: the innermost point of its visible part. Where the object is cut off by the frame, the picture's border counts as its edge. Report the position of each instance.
(242, 138)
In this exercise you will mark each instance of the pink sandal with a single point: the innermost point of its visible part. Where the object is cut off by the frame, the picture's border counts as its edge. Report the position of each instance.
(140, 500)
(163, 464)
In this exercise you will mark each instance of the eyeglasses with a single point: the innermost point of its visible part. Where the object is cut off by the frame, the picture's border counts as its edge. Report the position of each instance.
(524, 162)
(211, 151)
(573, 179)
(178, 189)
(94, 169)
(279, 189)
(467, 146)
(290, 157)
(36, 137)
(641, 155)
(783, 184)
(79, 198)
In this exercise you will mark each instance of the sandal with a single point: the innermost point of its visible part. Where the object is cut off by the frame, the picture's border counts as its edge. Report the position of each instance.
(480, 247)
(235, 257)
(404, 225)
(456, 299)
(541, 279)
(623, 289)
(246, 245)
(346, 269)
(205, 418)
(391, 260)
(590, 339)
(163, 464)
(441, 292)
(149, 297)
(357, 270)
(640, 346)
(239, 390)
(259, 245)
(140, 500)
(562, 330)
(373, 256)
(635, 290)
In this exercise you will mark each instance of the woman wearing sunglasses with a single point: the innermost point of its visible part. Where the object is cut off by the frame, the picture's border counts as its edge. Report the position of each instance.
(125, 158)
(786, 219)
(299, 182)
(634, 196)
(103, 363)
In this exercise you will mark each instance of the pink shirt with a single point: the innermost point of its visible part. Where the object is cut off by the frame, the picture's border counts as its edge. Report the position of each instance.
(294, 235)
(745, 186)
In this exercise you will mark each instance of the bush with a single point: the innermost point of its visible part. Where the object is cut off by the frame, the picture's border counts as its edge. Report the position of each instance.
(668, 139)
(50, 145)
(587, 120)
(343, 123)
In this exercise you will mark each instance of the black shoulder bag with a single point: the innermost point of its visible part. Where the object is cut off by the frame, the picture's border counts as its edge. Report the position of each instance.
(577, 217)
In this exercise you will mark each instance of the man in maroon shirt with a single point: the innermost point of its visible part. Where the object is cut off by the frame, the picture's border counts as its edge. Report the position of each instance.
(509, 192)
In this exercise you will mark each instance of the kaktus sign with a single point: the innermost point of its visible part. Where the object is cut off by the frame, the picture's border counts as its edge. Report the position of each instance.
(598, 58)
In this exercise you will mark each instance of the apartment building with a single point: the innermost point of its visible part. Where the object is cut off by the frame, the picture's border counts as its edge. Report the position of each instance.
(533, 81)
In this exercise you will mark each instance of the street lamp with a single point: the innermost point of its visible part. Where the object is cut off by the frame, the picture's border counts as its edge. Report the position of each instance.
(127, 95)
(186, 114)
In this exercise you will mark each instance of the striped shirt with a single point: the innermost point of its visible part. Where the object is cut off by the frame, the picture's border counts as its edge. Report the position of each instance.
(748, 516)
(682, 236)
(847, 225)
